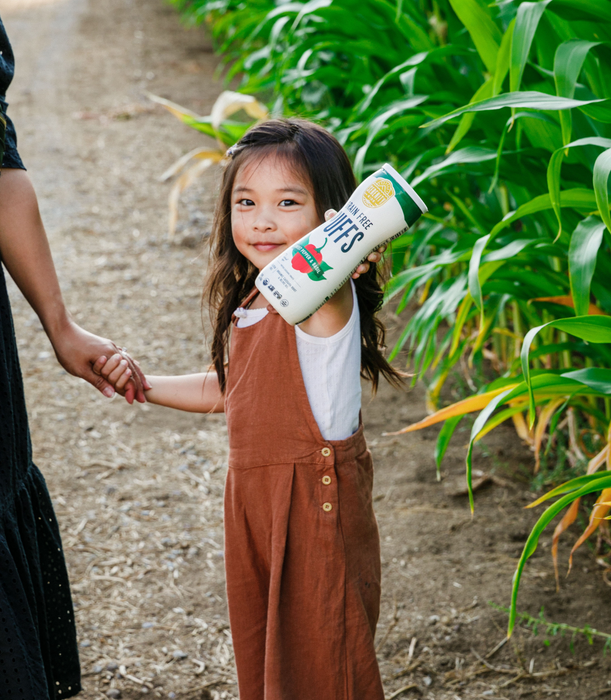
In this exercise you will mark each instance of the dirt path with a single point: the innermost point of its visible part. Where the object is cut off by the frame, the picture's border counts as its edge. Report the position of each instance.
(138, 491)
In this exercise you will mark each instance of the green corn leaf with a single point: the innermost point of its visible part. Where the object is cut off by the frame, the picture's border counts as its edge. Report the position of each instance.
(443, 440)
(509, 124)
(501, 417)
(470, 154)
(592, 10)
(602, 168)
(414, 33)
(398, 282)
(461, 318)
(483, 92)
(527, 21)
(597, 378)
(379, 122)
(479, 423)
(503, 59)
(510, 250)
(576, 198)
(542, 133)
(583, 251)
(399, 10)
(593, 329)
(554, 422)
(475, 288)
(568, 62)
(415, 60)
(533, 539)
(569, 486)
(468, 213)
(485, 34)
(411, 61)
(310, 8)
(546, 384)
(599, 109)
(554, 170)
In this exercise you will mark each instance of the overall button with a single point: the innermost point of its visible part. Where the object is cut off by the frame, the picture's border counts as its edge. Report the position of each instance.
(326, 480)
(326, 451)
(327, 507)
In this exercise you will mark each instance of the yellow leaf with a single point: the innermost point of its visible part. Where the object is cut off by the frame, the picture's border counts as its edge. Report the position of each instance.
(197, 153)
(596, 517)
(568, 301)
(178, 111)
(499, 418)
(568, 519)
(184, 181)
(473, 403)
(229, 103)
(522, 428)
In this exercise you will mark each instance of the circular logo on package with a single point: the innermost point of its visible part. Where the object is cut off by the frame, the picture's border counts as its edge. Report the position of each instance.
(284, 302)
(265, 281)
(378, 193)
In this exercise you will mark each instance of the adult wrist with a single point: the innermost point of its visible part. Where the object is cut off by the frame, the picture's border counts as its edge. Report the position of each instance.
(56, 322)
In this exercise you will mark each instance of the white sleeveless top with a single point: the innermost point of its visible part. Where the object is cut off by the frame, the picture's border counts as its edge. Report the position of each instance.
(331, 369)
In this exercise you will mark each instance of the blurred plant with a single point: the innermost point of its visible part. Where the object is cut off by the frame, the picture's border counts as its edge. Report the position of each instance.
(218, 125)
(499, 113)
(558, 629)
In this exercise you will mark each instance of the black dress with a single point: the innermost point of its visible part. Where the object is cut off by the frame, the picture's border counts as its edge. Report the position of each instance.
(38, 650)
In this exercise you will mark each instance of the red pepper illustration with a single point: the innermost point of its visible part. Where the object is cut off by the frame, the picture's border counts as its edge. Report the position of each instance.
(300, 264)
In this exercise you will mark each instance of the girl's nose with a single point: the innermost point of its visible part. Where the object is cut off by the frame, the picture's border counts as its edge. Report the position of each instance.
(264, 222)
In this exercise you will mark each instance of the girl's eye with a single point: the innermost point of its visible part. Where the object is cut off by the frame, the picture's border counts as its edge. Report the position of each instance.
(246, 202)
(287, 203)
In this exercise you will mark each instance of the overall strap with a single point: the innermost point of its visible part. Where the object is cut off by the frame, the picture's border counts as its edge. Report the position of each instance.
(246, 303)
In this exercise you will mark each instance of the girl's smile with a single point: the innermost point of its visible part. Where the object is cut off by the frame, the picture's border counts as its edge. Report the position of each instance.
(271, 208)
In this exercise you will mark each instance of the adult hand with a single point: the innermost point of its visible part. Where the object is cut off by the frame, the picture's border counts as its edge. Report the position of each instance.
(77, 350)
(374, 257)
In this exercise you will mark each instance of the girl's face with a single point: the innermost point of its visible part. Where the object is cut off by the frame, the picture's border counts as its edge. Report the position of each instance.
(271, 208)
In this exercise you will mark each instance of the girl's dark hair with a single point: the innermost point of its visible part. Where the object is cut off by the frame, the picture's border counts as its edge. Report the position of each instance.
(320, 159)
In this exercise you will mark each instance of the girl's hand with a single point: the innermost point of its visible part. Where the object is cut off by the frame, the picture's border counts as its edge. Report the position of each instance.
(374, 257)
(117, 371)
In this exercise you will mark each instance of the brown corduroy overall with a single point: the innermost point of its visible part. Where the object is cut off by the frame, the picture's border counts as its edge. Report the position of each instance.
(302, 549)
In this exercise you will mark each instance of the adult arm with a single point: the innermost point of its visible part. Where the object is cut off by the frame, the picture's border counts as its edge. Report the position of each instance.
(25, 251)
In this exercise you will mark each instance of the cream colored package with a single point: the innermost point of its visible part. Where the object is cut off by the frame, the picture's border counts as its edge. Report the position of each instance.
(306, 275)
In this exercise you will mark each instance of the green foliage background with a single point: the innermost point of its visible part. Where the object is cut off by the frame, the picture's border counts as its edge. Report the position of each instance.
(500, 115)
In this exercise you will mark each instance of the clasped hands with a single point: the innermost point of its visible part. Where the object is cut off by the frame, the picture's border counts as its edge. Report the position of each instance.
(77, 350)
(123, 373)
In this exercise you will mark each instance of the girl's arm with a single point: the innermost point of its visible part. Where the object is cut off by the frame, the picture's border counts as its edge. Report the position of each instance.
(335, 314)
(332, 317)
(198, 393)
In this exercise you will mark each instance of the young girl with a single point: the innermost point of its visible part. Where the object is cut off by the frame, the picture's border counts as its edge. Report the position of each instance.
(301, 540)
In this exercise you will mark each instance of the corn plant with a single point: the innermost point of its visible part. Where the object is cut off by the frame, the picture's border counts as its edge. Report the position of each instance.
(499, 114)
(217, 124)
